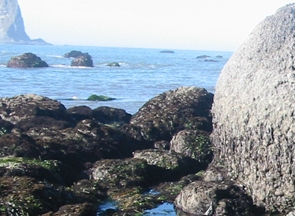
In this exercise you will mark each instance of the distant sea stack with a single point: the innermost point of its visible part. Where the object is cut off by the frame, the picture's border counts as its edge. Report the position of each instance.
(12, 29)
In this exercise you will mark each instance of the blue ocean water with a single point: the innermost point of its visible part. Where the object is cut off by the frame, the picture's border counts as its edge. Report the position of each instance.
(144, 73)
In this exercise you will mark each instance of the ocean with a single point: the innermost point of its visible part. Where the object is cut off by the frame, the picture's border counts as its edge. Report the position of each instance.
(142, 75)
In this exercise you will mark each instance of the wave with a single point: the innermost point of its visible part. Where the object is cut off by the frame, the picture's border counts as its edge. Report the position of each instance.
(56, 56)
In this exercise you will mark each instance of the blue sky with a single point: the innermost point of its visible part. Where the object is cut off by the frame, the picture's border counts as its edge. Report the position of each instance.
(165, 24)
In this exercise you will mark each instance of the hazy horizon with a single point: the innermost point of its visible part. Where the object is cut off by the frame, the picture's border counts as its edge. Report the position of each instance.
(164, 24)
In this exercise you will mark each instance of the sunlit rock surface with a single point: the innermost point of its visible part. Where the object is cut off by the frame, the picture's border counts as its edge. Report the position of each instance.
(253, 112)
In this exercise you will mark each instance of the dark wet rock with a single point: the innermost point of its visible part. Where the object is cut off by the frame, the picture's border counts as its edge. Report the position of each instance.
(42, 121)
(26, 60)
(95, 97)
(66, 158)
(82, 61)
(84, 209)
(21, 107)
(79, 113)
(75, 54)
(162, 144)
(87, 142)
(5, 127)
(120, 173)
(168, 113)
(114, 64)
(254, 113)
(165, 165)
(210, 60)
(52, 171)
(18, 146)
(89, 191)
(218, 56)
(214, 198)
(109, 115)
(194, 144)
(27, 196)
(167, 51)
(203, 56)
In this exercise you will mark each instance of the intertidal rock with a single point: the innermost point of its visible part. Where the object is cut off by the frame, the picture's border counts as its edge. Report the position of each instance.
(253, 112)
(23, 107)
(26, 60)
(194, 144)
(168, 113)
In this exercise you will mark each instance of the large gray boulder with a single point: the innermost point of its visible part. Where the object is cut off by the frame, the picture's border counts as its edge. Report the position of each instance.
(253, 112)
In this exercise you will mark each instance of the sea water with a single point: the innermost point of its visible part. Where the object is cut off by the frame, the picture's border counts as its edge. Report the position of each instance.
(142, 75)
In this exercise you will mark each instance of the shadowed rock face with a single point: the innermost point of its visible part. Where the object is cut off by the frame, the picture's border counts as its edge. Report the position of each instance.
(253, 112)
(12, 28)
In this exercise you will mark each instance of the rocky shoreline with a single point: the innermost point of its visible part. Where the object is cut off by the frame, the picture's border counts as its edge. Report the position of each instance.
(58, 161)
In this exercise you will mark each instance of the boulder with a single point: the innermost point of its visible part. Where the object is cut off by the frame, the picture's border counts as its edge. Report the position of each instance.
(26, 60)
(19, 108)
(120, 173)
(75, 54)
(194, 144)
(82, 61)
(214, 198)
(111, 116)
(165, 165)
(254, 112)
(79, 113)
(168, 113)
(95, 97)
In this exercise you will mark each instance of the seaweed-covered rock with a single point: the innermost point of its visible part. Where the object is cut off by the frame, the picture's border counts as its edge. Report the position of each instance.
(27, 196)
(120, 173)
(18, 146)
(95, 97)
(18, 108)
(253, 112)
(165, 165)
(87, 142)
(194, 144)
(26, 60)
(168, 113)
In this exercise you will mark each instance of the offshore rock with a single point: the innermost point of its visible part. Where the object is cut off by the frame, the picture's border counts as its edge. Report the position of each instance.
(253, 112)
(168, 113)
(12, 29)
(82, 61)
(75, 54)
(26, 60)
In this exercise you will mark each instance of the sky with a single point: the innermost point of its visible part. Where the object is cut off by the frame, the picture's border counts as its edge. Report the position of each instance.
(220, 25)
